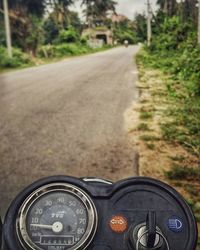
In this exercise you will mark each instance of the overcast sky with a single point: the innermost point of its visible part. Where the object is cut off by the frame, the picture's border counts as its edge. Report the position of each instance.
(130, 7)
(127, 7)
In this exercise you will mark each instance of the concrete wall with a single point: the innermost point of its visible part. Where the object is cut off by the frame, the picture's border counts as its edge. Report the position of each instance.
(93, 34)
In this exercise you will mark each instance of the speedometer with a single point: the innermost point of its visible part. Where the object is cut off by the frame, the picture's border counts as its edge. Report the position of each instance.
(57, 217)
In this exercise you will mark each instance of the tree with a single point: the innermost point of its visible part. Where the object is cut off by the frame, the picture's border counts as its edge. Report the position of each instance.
(52, 29)
(169, 7)
(75, 21)
(190, 10)
(124, 30)
(2, 32)
(187, 8)
(34, 7)
(162, 4)
(25, 16)
(60, 12)
(97, 10)
(141, 27)
(103, 7)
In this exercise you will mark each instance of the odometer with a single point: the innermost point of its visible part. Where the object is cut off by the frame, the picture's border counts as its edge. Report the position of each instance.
(57, 217)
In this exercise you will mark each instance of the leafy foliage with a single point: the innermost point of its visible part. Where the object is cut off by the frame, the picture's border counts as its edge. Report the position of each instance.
(96, 10)
(33, 7)
(141, 27)
(46, 29)
(63, 50)
(51, 30)
(68, 49)
(125, 31)
(2, 31)
(187, 9)
(174, 50)
(26, 18)
(68, 36)
(19, 59)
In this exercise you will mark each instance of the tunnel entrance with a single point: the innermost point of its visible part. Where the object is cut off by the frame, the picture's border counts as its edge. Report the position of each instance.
(102, 37)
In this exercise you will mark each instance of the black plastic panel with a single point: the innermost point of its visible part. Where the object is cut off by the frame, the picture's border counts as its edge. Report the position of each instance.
(132, 199)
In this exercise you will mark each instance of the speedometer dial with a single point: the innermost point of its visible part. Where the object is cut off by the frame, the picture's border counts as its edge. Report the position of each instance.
(57, 217)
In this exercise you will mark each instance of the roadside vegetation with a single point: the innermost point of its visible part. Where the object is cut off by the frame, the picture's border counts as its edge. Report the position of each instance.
(45, 54)
(47, 30)
(168, 129)
(43, 31)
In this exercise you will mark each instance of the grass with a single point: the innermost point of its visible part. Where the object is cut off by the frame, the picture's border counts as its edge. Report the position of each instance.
(151, 146)
(144, 101)
(191, 189)
(52, 54)
(196, 209)
(148, 137)
(143, 127)
(144, 115)
(178, 158)
(179, 172)
(183, 102)
(179, 124)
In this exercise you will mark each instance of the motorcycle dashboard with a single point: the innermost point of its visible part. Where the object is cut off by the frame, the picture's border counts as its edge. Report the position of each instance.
(67, 213)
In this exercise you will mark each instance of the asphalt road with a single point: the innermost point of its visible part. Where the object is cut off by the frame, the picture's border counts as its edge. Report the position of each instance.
(66, 118)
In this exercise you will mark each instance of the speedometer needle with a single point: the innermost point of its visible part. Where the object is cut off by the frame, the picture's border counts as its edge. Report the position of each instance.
(57, 227)
(42, 226)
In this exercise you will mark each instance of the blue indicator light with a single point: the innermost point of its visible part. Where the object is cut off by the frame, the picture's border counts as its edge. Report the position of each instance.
(175, 224)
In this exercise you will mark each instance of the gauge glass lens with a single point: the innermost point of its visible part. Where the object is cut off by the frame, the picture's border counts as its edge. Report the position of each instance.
(57, 220)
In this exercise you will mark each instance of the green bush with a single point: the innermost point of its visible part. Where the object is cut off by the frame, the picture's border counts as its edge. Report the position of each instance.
(84, 40)
(62, 50)
(68, 36)
(173, 32)
(122, 35)
(125, 31)
(174, 50)
(46, 51)
(65, 50)
(19, 59)
(188, 68)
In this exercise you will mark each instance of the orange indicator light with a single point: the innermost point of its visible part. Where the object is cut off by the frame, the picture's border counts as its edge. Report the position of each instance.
(118, 224)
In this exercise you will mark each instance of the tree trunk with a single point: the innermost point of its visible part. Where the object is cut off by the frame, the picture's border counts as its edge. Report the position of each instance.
(190, 10)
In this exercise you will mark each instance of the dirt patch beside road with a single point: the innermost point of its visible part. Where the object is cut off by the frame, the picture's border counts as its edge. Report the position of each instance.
(156, 154)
